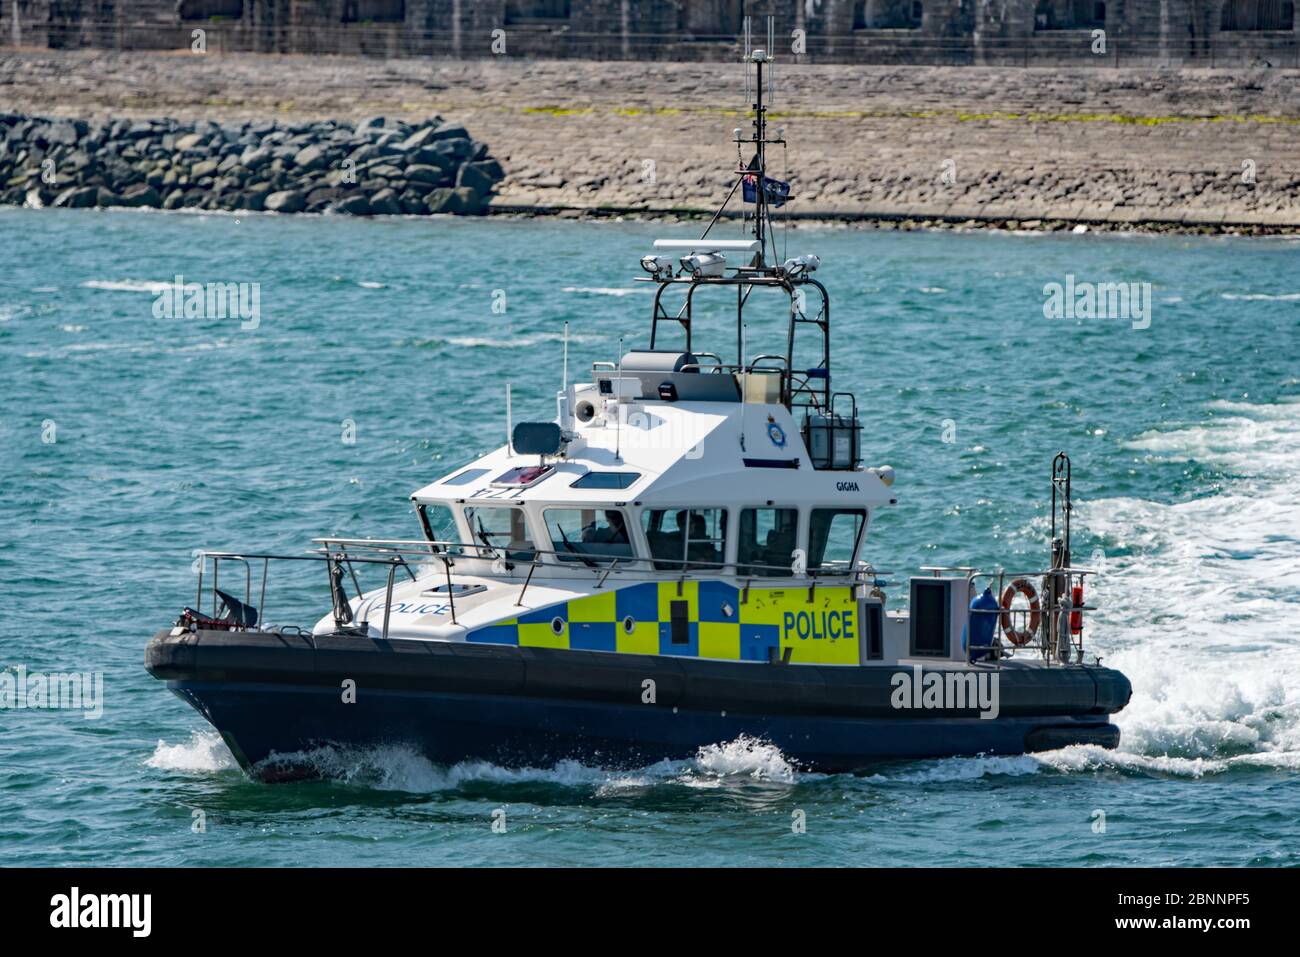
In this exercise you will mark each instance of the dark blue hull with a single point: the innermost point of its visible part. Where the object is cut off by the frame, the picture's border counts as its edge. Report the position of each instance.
(270, 727)
(274, 696)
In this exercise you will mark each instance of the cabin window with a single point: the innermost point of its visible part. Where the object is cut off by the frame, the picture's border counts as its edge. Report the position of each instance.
(465, 477)
(606, 480)
(686, 538)
(588, 535)
(499, 529)
(438, 523)
(833, 535)
(768, 537)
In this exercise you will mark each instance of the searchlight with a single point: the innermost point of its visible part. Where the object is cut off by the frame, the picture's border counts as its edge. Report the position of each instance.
(660, 267)
(801, 265)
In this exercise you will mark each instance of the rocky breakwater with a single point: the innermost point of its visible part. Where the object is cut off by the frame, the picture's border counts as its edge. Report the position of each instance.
(377, 167)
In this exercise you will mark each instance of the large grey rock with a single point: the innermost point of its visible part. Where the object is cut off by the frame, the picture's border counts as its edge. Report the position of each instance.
(322, 196)
(418, 138)
(62, 132)
(286, 201)
(78, 197)
(472, 177)
(142, 194)
(471, 203)
(203, 168)
(443, 200)
(490, 168)
(356, 205)
(450, 131)
(255, 158)
(309, 158)
(252, 200)
(385, 203)
(418, 173)
(364, 152)
(432, 156)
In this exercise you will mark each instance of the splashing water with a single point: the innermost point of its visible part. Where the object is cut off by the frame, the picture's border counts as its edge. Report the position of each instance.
(1202, 606)
(204, 752)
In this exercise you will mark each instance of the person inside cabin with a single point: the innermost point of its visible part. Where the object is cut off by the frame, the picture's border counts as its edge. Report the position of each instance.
(609, 537)
(699, 547)
(616, 529)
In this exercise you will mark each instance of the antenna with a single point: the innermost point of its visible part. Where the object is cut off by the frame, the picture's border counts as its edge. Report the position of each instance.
(745, 58)
(564, 385)
(744, 386)
(758, 168)
(510, 440)
(771, 45)
(618, 406)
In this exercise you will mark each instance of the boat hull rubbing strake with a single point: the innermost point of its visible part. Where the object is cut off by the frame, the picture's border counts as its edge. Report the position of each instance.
(276, 699)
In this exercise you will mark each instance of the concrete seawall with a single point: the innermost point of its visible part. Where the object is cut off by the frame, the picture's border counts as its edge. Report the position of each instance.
(1165, 148)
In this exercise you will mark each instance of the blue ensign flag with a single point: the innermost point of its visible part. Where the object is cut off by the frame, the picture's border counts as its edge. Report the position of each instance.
(777, 191)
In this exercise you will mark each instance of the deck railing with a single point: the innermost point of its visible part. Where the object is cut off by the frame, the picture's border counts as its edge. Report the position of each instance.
(1054, 638)
(343, 555)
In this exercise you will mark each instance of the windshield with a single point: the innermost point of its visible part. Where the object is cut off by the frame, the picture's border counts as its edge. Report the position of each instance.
(686, 538)
(833, 535)
(501, 529)
(588, 535)
(438, 524)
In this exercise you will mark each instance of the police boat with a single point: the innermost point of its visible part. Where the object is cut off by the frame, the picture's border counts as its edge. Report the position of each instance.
(679, 559)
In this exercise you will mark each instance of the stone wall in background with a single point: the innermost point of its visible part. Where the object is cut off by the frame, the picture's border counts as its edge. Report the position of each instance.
(376, 167)
(1139, 33)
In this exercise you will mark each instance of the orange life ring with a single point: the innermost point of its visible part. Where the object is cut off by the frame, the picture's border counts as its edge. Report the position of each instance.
(1022, 636)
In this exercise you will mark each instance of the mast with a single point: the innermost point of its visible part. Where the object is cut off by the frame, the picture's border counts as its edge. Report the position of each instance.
(757, 167)
(760, 138)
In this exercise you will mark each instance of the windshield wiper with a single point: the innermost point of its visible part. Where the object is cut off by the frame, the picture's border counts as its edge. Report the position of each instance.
(484, 537)
(573, 548)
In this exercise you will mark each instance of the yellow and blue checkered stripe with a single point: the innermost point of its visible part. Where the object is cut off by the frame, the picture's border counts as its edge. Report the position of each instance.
(694, 619)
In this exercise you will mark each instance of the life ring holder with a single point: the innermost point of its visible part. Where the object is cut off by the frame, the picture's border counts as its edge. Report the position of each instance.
(1022, 636)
